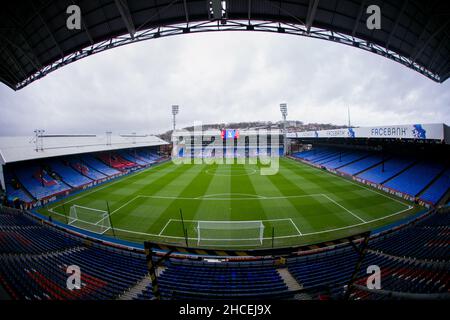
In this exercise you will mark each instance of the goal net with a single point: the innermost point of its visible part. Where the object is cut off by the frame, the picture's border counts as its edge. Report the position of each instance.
(230, 233)
(89, 219)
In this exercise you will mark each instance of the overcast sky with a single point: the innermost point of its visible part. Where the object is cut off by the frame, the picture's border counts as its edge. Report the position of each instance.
(222, 77)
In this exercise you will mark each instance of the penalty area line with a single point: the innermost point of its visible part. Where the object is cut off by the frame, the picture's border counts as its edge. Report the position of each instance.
(269, 238)
(295, 226)
(165, 226)
(338, 204)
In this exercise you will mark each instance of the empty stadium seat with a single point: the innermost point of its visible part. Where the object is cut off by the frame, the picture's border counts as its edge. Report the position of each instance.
(438, 189)
(99, 166)
(392, 167)
(416, 178)
(68, 174)
(38, 189)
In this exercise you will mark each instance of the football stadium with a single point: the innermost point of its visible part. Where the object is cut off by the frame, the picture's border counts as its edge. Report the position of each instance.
(233, 212)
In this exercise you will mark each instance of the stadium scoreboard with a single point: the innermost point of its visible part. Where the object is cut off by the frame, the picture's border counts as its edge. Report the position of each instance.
(229, 134)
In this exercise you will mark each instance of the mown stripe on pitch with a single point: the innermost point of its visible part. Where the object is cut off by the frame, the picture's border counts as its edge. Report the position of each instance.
(171, 210)
(196, 187)
(278, 184)
(218, 184)
(243, 184)
(123, 218)
(342, 217)
(159, 176)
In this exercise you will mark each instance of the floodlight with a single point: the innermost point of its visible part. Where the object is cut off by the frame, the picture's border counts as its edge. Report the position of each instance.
(175, 110)
(283, 109)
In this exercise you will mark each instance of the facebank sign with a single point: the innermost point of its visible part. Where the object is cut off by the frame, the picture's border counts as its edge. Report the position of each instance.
(413, 131)
(433, 131)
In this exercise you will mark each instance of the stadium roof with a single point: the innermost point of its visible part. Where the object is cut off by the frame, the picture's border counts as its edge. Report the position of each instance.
(14, 149)
(34, 39)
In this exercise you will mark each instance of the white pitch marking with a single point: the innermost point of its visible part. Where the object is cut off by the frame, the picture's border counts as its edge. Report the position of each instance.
(107, 184)
(125, 204)
(269, 238)
(234, 221)
(295, 226)
(215, 196)
(352, 182)
(353, 214)
(162, 230)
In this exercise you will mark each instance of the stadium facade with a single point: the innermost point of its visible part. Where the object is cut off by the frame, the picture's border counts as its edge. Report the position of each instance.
(228, 143)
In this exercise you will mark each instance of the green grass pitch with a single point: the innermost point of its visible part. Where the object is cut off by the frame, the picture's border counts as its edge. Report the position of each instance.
(299, 205)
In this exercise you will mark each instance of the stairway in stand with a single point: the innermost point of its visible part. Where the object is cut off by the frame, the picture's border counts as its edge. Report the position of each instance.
(139, 287)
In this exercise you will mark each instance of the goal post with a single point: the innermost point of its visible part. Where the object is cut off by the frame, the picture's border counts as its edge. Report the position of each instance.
(89, 219)
(230, 233)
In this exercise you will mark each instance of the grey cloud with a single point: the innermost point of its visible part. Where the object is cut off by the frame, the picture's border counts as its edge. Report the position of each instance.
(222, 77)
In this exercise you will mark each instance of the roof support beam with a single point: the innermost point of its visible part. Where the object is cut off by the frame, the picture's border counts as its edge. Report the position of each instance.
(124, 11)
(445, 76)
(86, 30)
(388, 42)
(186, 13)
(38, 64)
(12, 44)
(436, 52)
(49, 32)
(88, 34)
(441, 68)
(11, 74)
(419, 39)
(249, 13)
(312, 9)
(360, 13)
(16, 63)
(29, 54)
(419, 52)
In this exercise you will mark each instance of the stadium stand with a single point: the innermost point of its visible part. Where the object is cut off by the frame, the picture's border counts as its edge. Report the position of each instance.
(145, 156)
(34, 180)
(416, 178)
(426, 179)
(116, 161)
(437, 189)
(133, 158)
(343, 160)
(38, 183)
(32, 240)
(356, 167)
(408, 256)
(331, 157)
(79, 166)
(391, 168)
(405, 277)
(37, 269)
(99, 166)
(420, 242)
(17, 192)
(34, 256)
(68, 174)
(203, 281)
